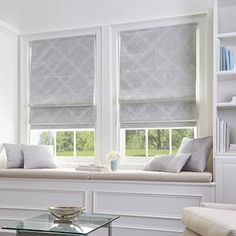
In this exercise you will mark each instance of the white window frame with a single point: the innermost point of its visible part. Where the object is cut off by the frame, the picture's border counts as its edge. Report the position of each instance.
(25, 40)
(202, 80)
(107, 128)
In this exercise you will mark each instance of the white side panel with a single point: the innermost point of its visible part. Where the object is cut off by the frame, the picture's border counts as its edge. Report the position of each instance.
(225, 179)
(8, 86)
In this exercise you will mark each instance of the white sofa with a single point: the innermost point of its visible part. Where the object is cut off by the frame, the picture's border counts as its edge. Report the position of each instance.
(211, 219)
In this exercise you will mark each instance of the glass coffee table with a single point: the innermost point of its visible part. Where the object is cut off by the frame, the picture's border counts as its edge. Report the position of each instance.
(46, 224)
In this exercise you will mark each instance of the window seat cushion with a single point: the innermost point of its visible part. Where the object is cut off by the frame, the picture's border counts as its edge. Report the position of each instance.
(57, 173)
(123, 175)
(139, 175)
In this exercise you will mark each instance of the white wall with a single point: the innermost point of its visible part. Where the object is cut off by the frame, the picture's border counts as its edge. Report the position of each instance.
(42, 15)
(8, 86)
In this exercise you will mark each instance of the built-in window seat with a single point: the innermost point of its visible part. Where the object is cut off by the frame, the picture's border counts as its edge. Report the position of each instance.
(130, 175)
(149, 203)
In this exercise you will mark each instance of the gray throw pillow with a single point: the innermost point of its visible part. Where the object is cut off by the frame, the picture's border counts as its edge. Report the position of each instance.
(14, 155)
(38, 156)
(200, 149)
(168, 163)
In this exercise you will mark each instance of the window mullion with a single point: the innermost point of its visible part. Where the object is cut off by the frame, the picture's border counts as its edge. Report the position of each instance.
(170, 141)
(146, 142)
(74, 146)
(55, 142)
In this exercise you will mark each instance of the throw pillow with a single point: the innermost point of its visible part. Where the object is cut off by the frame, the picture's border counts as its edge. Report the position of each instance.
(14, 156)
(3, 157)
(200, 149)
(168, 163)
(38, 156)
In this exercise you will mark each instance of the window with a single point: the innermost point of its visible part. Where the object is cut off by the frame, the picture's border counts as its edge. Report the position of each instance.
(62, 110)
(129, 87)
(67, 143)
(150, 142)
(157, 89)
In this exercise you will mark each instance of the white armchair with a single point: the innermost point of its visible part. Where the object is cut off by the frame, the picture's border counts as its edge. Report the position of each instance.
(211, 219)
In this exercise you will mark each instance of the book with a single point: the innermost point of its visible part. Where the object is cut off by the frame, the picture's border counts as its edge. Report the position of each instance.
(227, 59)
(91, 167)
(218, 135)
(223, 59)
(222, 136)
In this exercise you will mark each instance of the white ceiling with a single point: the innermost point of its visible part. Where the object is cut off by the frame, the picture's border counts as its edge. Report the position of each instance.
(46, 15)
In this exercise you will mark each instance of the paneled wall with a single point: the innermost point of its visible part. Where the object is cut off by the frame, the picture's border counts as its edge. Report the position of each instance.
(146, 208)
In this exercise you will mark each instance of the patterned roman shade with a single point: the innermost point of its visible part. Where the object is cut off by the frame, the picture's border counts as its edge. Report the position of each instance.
(62, 82)
(158, 77)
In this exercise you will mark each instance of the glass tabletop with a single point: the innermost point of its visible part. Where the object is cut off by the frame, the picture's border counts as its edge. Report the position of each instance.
(45, 223)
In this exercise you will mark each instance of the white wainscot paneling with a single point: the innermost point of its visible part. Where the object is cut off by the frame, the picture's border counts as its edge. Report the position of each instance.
(143, 204)
(225, 179)
(146, 208)
(39, 199)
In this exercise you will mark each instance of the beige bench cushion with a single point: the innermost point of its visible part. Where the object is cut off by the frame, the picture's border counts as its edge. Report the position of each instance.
(210, 222)
(152, 176)
(129, 175)
(44, 173)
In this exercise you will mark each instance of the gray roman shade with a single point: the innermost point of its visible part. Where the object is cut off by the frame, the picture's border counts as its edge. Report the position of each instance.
(158, 77)
(62, 82)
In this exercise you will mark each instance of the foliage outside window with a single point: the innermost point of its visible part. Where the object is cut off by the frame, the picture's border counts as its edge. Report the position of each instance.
(67, 143)
(151, 142)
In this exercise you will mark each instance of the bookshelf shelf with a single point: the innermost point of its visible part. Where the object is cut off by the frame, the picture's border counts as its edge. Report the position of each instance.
(226, 75)
(226, 3)
(226, 105)
(227, 38)
(223, 154)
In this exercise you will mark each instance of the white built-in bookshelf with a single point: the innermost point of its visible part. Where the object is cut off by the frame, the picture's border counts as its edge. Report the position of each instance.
(224, 86)
(225, 76)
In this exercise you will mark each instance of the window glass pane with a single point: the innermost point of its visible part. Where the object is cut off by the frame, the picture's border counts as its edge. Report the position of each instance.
(178, 135)
(85, 143)
(65, 143)
(158, 142)
(135, 143)
(46, 138)
(39, 137)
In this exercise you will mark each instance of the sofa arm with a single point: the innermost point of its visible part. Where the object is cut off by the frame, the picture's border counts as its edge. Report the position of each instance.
(219, 206)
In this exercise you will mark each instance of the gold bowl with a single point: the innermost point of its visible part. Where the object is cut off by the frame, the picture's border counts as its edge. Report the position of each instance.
(66, 214)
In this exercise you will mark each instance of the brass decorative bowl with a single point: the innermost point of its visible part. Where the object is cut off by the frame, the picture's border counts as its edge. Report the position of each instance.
(66, 214)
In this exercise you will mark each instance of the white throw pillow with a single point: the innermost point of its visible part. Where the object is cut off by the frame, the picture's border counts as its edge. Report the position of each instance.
(38, 156)
(3, 157)
(14, 155)
(168, 163)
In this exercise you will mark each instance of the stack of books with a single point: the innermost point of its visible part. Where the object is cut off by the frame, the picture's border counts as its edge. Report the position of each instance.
(232, 147)
(226, 59)
(222, 136)
(91, 167)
